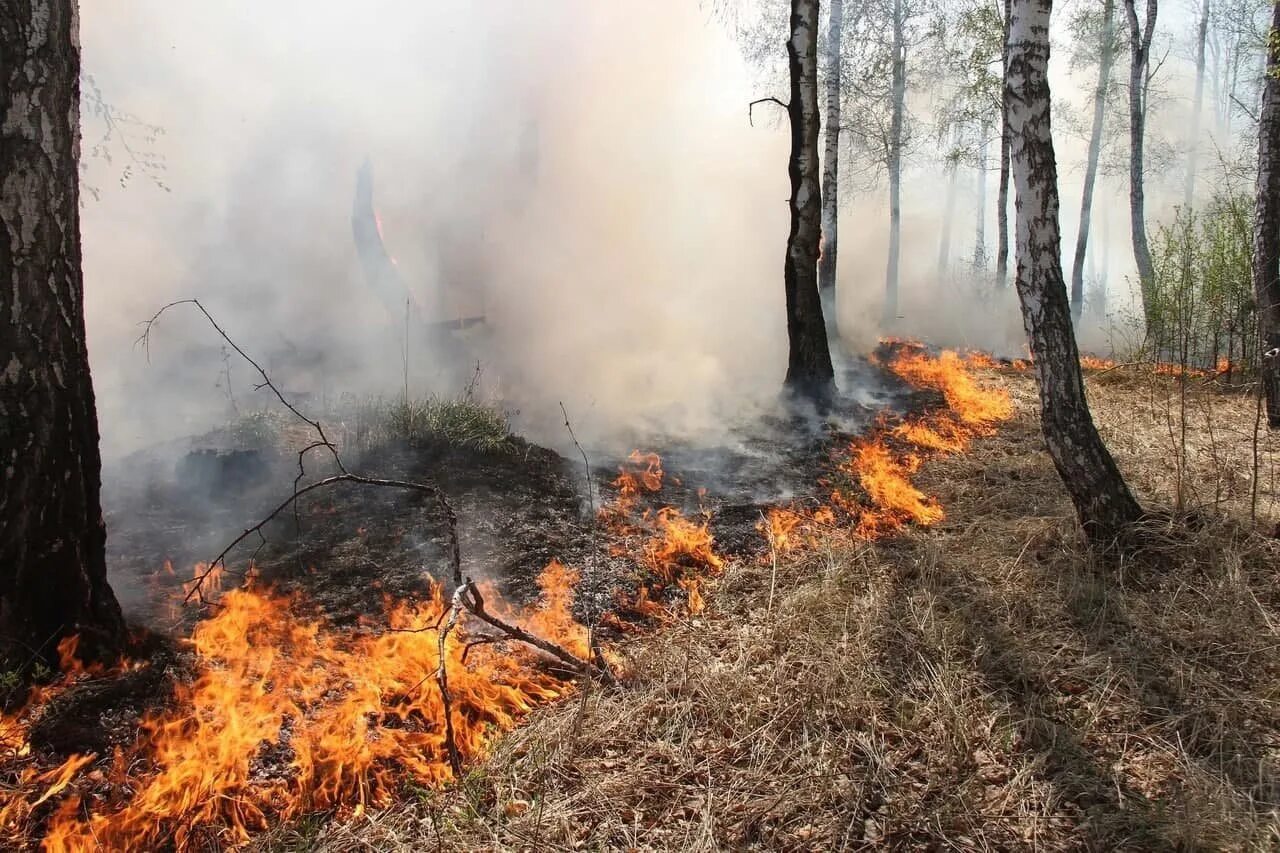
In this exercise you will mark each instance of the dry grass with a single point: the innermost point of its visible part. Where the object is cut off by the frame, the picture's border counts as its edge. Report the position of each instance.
(983, 684)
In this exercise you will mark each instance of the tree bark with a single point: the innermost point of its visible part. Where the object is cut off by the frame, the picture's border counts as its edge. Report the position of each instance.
(1197, 106)
(898, 109)
(1139, 54)
(1002, 193)
(1266, 226)
(831, 173)
(948, 216)
(53, 576)
(1101, 498)
(980, 221)
(809, 371)
(1106, 57)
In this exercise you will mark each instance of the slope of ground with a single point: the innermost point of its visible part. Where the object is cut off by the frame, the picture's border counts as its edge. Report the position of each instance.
(980, 684)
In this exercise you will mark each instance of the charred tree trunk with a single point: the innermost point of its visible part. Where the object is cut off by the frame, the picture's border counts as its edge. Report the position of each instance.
(1266, 227)
(1106, 56)
(1139, 54)
(809, 371)
(830, 174)
(898, 108)
(1002, 193)
(53, 575)
(1101, 498)
(1197, 106)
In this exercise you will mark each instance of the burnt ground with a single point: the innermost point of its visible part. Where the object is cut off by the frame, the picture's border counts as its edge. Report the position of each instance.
(351, 548)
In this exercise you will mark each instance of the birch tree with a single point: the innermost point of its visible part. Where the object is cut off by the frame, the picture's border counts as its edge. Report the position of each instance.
(831, 171)
(1102, 499)
(898, 108)
(809, 371)
(1106, 56)
(1266, 225)
(53, 576)
(1140, 35)
(1197, 106)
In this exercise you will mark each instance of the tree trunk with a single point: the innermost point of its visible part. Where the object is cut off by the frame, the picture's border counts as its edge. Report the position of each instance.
(898, 107)
(1101, 498)
(1139, 52)
(980, 221)
(1197, 105)
(1105, 58)
(53, 576)
(830, 175)
(809, 371)
(948, 215)
(1266, 226)
(1002, 193)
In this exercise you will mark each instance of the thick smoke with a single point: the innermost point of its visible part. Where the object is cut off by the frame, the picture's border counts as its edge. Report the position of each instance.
(582, 174)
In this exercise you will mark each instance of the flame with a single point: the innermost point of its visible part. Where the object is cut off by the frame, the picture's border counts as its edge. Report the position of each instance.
(976, 407)
(289, 715)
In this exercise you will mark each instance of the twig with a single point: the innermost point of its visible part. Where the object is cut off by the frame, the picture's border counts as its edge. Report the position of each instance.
(442, 679)
(591, 501)
(750, 119)
(451, 517)
(474, 601)
(455, 551)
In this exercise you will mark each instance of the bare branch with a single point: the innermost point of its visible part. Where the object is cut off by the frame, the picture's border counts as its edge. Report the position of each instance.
(474, 602)
(750, 120)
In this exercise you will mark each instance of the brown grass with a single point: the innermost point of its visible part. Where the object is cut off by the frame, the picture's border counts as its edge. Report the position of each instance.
(983, 684)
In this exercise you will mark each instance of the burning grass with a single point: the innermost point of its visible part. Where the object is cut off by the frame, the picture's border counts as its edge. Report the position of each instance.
(982, 683)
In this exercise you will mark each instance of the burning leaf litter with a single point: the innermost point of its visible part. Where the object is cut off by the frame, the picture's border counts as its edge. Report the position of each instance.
(288, 715)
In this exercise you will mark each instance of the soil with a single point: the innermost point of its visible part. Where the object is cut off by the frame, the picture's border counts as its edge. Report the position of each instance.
(351, 548)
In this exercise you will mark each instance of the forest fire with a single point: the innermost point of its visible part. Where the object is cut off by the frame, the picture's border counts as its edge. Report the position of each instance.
(286, 714)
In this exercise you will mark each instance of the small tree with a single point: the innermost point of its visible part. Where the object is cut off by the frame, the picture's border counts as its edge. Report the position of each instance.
(809, 371)
(53, 575)
(1101, 497)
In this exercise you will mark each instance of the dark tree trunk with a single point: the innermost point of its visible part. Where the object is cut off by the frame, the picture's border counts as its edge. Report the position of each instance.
(809, 371)
(1266, 226)
(1002, 192)
(1139, 54)
(1105, 58)
(897, 116)
(831, 174)
(1101, 498)
(53, 576)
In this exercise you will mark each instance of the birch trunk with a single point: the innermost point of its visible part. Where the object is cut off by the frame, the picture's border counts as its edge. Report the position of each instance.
(948, 215)
(1101, 498)
(1266, 228)
(830, 174)
(1106, 57)
(899, 82)
(809, 371)
(1197, 106)
(1139, 53)
(53, 577)
(1002, 194)
(980, 221)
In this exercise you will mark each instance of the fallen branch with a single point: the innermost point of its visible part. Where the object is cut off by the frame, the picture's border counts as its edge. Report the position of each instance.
(474, 602)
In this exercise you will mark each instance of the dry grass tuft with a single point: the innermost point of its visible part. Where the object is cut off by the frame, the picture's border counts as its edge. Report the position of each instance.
(983, 684)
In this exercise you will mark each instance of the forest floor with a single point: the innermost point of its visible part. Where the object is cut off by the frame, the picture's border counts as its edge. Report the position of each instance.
(983, 683)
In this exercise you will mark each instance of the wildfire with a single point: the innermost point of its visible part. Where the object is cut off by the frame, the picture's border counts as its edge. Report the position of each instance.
(289, 715)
